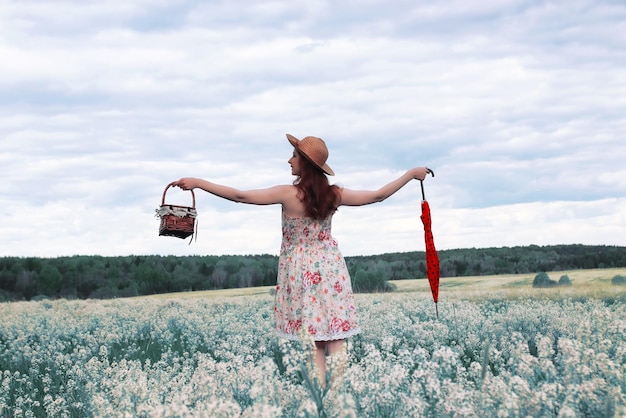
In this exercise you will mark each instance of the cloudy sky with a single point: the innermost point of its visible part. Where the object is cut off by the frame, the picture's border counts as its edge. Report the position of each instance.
(519, 106)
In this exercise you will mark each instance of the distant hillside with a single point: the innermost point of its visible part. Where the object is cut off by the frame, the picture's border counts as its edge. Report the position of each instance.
(24, 278)
(502, 260)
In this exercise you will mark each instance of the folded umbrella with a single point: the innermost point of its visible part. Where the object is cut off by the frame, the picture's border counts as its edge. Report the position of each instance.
(432, 258)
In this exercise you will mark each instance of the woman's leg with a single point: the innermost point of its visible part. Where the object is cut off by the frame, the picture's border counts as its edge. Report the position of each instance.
(320, 360)
(338, 360)
(322, 348)
(335, 346)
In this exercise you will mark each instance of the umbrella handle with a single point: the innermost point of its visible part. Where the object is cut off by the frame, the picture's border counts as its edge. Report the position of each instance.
(431, 172)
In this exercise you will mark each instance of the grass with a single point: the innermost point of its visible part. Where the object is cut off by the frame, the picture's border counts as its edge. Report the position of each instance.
(594, 283)
(220, 293)
(582, 280)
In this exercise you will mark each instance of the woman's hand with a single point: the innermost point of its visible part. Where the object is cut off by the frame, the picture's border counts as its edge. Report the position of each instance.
(186, 183)
(420, 173)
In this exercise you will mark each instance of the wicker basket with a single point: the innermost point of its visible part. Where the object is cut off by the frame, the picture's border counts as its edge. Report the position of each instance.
(177, 221)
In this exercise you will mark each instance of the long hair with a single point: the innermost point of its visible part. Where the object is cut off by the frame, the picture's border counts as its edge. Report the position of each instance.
(319, 197)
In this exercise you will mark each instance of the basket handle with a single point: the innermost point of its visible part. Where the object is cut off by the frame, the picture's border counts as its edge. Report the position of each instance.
(193, 196)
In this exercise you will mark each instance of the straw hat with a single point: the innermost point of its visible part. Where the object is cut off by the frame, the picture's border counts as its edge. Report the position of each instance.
(314, 149)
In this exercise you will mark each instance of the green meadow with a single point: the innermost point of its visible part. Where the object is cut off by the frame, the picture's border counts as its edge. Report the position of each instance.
(585, 283)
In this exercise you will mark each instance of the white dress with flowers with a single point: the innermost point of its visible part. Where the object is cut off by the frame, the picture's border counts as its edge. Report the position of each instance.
(313, 290)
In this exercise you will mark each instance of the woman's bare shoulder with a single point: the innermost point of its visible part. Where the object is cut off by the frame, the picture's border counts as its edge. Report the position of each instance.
(292, 205)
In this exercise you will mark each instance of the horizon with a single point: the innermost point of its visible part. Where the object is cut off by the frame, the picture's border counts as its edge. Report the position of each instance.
(347, 256)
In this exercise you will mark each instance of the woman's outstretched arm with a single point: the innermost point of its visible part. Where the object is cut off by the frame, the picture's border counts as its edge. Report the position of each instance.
(365, 197)
(269, 196)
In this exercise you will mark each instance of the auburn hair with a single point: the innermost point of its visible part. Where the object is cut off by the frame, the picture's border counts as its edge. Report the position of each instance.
(320, 199)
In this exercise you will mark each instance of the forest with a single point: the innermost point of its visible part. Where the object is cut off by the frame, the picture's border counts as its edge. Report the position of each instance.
(98, 277)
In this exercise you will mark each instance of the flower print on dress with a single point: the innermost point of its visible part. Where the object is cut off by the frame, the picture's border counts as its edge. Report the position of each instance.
(323, 235)
(313, 283)
(310, 279)
(338, 287)
(338, 325)
(293, 326)
(287, 235)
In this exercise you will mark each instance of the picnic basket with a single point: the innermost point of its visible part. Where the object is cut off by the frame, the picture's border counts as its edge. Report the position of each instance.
(177, 221)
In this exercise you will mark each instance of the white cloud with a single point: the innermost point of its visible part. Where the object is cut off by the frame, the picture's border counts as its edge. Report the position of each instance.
(517, 106)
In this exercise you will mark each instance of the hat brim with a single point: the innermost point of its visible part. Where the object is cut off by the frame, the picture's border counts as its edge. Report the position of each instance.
(293, 140)
(296, 144)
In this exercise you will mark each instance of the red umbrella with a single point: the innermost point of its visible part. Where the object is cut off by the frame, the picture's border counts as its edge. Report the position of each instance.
(432, 258)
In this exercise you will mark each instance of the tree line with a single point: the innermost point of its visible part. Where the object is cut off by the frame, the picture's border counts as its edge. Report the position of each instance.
(80, 276)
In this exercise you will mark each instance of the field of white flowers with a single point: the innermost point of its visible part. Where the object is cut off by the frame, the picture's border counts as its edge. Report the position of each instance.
(218, 358)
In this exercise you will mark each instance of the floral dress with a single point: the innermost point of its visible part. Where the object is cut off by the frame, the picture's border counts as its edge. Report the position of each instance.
(313, 290)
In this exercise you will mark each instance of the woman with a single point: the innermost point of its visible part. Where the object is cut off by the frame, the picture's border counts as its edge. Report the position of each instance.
(313, 290)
